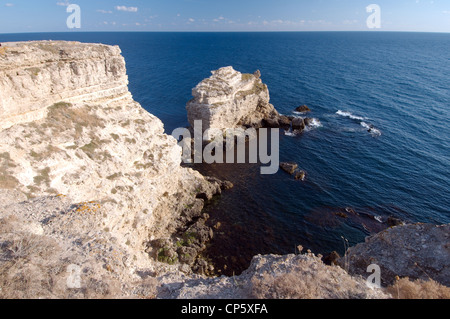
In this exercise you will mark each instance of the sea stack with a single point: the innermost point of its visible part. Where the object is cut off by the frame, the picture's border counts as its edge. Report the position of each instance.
(229, 99)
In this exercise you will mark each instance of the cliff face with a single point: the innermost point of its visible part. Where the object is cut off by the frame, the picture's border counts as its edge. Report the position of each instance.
(229, 99)
(70, 129)
(39, 74)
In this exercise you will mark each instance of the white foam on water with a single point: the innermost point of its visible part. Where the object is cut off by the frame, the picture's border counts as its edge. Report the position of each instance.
(350, 115)
(289, 133)
(313, 124)
(371, 129)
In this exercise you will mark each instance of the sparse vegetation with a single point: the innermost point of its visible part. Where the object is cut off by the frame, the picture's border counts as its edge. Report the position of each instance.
(63, 116)
(43, 177)
(49, 48)
(33, 71)
(7, 181)
(308, 279)
(420, 289)
(115, 137)
(45, 154)
(247, 77)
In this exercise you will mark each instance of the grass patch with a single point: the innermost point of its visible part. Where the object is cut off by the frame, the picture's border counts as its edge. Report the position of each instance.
(247, 77)
(43, 177)
(48, 152)
(7, 181)
(406, 289)
(63, 116)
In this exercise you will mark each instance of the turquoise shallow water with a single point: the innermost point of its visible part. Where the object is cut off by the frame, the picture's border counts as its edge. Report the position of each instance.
(397, 83)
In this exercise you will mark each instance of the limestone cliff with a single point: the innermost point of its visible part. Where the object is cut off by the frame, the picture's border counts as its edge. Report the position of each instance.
(39, 74)
(71, 130)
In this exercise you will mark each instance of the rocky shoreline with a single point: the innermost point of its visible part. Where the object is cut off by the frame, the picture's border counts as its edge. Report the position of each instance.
(89, 182)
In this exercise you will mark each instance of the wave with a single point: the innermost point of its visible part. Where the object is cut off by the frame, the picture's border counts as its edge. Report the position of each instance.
(351, 116)
(371, 129)
(313, 124)
(289, 133)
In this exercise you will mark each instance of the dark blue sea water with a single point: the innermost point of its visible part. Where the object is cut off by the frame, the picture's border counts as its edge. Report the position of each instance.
(397, 82)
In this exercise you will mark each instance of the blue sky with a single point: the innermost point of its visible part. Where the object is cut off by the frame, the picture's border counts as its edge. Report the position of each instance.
(224, 15)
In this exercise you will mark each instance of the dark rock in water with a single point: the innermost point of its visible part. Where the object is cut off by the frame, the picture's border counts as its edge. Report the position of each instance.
(272, 123)
(289, 167)
(303, 109)
(284, 122)
(300, 175)
(308, 121)
(226, 185)
(392, 222)
(298, 124)
(331, 259)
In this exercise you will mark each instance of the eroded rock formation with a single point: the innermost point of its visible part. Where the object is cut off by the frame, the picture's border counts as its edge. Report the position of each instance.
(420, 251)
(230, 99)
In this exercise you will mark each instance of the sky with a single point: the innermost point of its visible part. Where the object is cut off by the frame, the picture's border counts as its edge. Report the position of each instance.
(17, 16)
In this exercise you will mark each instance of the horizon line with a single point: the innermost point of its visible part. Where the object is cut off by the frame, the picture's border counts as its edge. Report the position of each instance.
(260, 31)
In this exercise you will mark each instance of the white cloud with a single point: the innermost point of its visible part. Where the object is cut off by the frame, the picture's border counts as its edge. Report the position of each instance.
(104, 11)
(63, 4)
(127, 9)
(9, 4)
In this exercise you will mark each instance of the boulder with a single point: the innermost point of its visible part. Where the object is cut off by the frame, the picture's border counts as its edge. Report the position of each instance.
(284, 122)
(298, 124)
(303, 109)
(289, 167)
(300, 175)
(272, 123)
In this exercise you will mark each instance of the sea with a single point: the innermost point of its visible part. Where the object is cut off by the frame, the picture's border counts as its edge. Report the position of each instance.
(379, 147)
